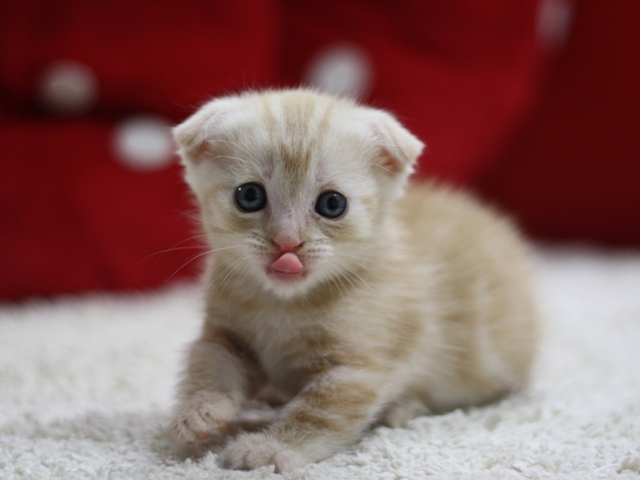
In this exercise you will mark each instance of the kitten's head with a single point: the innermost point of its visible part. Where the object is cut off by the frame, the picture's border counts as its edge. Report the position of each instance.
(294, 185)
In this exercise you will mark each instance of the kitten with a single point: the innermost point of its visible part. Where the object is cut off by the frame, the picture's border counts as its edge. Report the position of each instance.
(358, 299)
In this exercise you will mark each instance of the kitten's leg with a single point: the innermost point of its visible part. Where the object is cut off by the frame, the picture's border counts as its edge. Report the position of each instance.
(330, 412)
(218, 378)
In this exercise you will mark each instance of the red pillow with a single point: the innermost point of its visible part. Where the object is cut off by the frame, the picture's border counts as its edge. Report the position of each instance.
(163, 57)
(461, 74)
(74, 214)
(574, 172)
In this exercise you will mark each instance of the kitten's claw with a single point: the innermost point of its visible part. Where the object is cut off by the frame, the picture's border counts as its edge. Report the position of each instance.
(202, 436)
(255, 450)
(200, 417)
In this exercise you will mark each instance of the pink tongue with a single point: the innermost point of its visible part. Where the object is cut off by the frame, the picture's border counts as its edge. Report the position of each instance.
(288, 263)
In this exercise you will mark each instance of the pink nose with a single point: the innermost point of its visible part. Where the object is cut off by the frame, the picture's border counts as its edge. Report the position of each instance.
(287, 244)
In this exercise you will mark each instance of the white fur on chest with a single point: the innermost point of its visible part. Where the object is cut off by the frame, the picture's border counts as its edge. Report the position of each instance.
(276, 336)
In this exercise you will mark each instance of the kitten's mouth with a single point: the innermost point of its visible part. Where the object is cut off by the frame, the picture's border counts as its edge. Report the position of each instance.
(287, 267)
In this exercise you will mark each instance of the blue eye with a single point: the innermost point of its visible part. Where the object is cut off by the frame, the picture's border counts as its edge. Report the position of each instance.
(251, 197)
(331, 204)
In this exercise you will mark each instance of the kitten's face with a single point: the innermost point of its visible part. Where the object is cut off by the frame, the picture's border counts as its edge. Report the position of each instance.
(293, 185)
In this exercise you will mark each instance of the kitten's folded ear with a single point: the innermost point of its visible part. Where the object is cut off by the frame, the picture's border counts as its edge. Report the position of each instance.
(398, 148)
(196, 136)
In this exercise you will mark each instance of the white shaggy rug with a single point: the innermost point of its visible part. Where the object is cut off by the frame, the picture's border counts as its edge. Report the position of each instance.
(85, 384)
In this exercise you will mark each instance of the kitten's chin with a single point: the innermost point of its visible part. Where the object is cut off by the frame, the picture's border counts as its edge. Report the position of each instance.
(286, 285)
(285, 277)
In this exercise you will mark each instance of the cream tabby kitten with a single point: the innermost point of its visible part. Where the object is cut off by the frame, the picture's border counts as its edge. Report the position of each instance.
(356, 299)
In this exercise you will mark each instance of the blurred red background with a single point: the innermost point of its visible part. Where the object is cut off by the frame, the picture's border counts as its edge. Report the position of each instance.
(533, 104)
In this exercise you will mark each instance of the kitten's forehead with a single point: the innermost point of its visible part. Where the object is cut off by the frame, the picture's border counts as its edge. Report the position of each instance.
(297, 143)
(299, 135)
(297, 127)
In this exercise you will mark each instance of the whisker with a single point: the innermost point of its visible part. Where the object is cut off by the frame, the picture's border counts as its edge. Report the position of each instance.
(199, 255)
(189, 215)
(352, 271)
(342, 285)
(175, 247)
(329, 282)
(237, 264)
(172, 249)
(213, 250)
(224, 271)
(239, 282)
(348, 279)
(230, 158)
(190, 260)
(364, 259)
(227, 229)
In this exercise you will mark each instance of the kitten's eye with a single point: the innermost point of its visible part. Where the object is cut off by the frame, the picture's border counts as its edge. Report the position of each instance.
(331, 204)
(251, 197)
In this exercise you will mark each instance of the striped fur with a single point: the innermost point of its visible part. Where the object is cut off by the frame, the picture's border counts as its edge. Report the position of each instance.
(417, 299)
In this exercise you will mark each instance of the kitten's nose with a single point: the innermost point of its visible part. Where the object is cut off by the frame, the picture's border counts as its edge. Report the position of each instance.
(287, 244)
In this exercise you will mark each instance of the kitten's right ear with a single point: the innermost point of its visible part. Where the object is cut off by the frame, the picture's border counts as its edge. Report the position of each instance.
(399, 149)
(196, 136)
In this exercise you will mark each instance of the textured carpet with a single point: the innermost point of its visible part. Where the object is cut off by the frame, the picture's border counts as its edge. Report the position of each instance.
(85, 384)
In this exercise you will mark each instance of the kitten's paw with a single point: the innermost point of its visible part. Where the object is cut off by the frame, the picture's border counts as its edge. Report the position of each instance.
(257, 450)
(199, 417)
(398, 414)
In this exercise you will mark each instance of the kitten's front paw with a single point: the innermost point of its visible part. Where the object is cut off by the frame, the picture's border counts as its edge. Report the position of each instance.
(198, 417)
(257, 450)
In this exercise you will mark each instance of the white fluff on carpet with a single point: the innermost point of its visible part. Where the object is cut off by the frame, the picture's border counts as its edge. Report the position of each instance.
(85, 384)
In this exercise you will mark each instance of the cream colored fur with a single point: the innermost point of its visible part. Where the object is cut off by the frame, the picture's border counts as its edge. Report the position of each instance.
(417, 299)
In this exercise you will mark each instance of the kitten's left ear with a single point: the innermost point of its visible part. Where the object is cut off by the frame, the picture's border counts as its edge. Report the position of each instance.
(398, 148)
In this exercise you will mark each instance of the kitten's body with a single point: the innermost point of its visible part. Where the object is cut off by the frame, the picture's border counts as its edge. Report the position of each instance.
(402, 306)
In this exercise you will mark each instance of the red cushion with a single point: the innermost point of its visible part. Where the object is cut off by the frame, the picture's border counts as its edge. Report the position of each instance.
(72, 217)
(164, 57)
(461, 74)
(574, 173)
